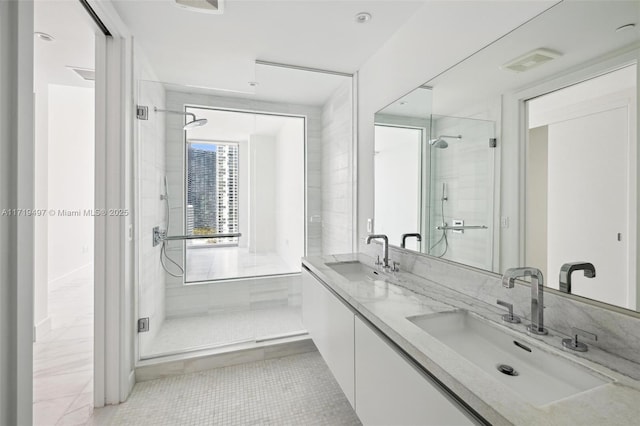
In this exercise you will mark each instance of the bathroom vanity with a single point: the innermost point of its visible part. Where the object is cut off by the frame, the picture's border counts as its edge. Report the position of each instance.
(406, 349)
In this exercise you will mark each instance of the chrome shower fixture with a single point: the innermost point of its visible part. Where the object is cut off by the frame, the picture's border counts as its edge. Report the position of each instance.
(191, 124)
(439, 142)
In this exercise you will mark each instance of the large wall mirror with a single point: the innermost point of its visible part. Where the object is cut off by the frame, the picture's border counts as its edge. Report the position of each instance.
(525, 154)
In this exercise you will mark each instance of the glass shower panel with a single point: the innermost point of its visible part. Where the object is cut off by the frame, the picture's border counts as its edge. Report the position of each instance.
(462, 190)
(245, 180)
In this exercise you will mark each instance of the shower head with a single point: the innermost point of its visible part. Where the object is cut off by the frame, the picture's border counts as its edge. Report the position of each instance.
(439, 142)
(191, 124)
(195, 123)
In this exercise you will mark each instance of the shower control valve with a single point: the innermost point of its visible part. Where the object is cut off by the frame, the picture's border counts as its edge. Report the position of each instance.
(158, 235)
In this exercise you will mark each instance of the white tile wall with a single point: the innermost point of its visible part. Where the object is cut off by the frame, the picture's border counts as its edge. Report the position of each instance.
(337, 156)
(152, 169)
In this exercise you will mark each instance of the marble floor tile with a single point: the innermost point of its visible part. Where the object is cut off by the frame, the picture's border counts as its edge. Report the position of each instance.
(63, 358)
(48, 412)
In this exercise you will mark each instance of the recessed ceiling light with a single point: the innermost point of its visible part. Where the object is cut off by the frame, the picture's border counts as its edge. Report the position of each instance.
(531, 60)
(44, 36)
(626, 27)
(363, 17)
(253, 83)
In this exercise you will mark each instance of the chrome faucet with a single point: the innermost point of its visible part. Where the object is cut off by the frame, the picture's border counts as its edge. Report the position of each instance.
(537, 304)
(405, 236)
(385, 247)
(568, 268)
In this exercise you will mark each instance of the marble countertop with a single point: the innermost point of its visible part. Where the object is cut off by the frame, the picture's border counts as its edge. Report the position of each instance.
(387, 304)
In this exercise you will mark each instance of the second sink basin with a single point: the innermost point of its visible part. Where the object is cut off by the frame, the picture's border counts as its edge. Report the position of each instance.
(355, 271)
(537, 376)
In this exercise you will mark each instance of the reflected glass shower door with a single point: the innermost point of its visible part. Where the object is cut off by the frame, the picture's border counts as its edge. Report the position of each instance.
(462, 190)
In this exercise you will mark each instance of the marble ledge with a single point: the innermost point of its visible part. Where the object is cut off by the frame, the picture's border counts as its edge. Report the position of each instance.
(387, 304)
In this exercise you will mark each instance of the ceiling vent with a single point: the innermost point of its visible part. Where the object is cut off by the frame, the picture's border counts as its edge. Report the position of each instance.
(84, 73)
(531, 60)
(203, 6)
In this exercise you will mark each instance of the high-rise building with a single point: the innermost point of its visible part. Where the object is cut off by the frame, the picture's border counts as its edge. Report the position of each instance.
(201, 187)
(212, 189)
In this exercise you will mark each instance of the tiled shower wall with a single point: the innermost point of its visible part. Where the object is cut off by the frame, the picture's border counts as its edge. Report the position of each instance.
(152, 166)
(251, 293)
(337, 157)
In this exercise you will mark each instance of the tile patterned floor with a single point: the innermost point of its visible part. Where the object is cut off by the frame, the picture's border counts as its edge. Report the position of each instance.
(294, 390)
(63, 358)
(182, 333)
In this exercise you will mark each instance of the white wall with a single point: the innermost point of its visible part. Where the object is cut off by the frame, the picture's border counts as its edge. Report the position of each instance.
(414, 55)
(289, 200)
(70, 179)
(398, 176)
(337, 171)
(262, 194)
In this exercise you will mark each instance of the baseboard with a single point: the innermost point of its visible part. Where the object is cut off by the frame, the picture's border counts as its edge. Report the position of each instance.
(69, 274)
(41, 329)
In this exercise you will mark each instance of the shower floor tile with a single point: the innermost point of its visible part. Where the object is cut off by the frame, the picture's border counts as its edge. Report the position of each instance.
(294, 390)
(178, 334)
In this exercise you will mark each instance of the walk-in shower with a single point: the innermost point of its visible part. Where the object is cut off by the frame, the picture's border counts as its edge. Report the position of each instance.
(235, 206)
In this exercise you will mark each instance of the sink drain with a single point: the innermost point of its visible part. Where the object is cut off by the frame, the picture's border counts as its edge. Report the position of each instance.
(507, 369)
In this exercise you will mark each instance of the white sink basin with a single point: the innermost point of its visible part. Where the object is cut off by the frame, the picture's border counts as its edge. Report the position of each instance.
(541, 376)
(355, 271)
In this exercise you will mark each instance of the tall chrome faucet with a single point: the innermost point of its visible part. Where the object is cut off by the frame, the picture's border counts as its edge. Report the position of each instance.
(537, 303)
(417, 236)
(568, 268)
(385, 246)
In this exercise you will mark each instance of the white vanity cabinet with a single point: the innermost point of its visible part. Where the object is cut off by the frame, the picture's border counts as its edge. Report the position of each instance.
(330, 325)
(390, 391)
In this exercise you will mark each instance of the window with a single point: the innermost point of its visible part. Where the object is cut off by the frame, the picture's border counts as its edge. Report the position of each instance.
(212, 191)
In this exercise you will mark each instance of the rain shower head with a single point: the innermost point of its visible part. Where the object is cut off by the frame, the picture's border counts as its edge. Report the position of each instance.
(195, 123)
(189, 125)
(439, 142)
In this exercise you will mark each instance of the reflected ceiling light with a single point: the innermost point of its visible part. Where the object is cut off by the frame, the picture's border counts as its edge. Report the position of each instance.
(531, 60)
(363, 17)
(44, 36)
(215, 7)
(625, 27)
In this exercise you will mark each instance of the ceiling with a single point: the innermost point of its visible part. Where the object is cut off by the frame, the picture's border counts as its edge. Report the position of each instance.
(74, 43)
(219, 51)
(279, 84)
